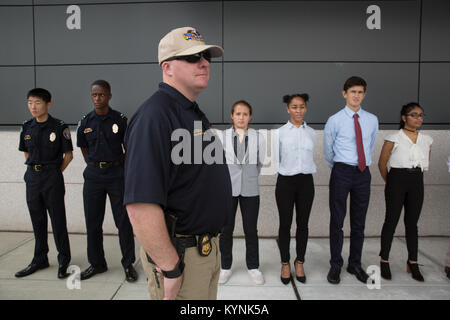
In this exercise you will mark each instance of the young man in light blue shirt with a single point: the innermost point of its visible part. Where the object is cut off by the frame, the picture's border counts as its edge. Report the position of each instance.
(349, 142)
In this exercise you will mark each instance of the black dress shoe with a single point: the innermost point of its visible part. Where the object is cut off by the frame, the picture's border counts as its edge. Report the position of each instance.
(447, 272)
(62, 271)
(334, 275)
(413, 268)
(385, 270)
(131, 274)
(31, 268)
(91, 271)
(360, 274)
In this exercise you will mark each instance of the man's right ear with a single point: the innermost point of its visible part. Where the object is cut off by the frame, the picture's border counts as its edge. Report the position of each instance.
(166, 68)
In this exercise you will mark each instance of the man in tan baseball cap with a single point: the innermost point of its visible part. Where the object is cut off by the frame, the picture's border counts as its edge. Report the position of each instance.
(191, 200)
(185, 41)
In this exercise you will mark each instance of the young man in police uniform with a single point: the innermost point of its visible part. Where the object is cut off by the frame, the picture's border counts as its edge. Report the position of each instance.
(47, 146)
(198, 196)
(100, 136)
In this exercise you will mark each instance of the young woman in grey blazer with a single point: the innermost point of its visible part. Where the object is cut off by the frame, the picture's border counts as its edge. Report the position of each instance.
(244, 151)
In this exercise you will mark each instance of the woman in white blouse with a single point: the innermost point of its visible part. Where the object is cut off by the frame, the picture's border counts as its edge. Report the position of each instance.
(407, 154)
(295, 184)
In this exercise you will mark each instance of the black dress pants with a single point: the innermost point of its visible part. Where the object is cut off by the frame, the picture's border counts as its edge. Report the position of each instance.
(45, 192)
(345, 180)
(403, 189)
(94, 196)
(250, 210)
(295, 190)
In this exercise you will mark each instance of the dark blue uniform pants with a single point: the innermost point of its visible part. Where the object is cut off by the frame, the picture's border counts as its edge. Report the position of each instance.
(94, 196)
(45, 192)
(346, 180)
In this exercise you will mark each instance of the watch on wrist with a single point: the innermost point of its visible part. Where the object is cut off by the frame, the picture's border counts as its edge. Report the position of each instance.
(176, 272)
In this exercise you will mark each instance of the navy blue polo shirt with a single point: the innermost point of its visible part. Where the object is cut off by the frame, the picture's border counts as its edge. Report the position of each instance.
(198, 194)
(45, 142)
(103, 137)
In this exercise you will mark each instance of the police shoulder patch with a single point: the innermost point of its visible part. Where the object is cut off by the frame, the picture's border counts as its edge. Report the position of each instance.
(66, 133)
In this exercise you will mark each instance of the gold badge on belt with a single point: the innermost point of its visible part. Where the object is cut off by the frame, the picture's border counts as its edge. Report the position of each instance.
(204, 245)
(52, 136)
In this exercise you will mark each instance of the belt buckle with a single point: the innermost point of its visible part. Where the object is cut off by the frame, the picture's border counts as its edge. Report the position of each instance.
(102, 164)
(37, 167)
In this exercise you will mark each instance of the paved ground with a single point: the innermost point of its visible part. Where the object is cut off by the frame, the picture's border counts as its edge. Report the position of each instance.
(16, 249)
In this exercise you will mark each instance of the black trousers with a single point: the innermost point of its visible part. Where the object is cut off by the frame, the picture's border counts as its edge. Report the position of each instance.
(45, 192)
(250, 210)
(94, 196)
(290, 190)
(345, 180)
(403, 189)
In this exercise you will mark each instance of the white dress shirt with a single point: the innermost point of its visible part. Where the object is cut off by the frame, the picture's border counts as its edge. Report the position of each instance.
(296, 149)
(407, 154)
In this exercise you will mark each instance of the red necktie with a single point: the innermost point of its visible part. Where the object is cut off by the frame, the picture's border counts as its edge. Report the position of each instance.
(359, 144)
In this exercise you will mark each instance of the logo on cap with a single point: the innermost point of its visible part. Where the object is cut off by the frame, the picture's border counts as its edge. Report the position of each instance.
(193, 35)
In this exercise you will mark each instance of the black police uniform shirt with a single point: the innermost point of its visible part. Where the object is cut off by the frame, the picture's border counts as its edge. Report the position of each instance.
(46, 142)
(198, 194)
(103, 136)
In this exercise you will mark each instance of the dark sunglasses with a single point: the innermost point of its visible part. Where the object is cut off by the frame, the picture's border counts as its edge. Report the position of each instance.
(193, 58)
(416, 115)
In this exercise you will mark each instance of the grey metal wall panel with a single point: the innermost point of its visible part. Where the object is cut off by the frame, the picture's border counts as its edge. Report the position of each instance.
(15, 2)
(68, 2)
(434, 86)
(16, 36)
(435, 30)
(320, 31)
(119, 33)
(15, 82)
(131, 86)
(263, 85)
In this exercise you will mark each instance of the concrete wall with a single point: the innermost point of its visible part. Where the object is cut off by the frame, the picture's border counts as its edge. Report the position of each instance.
(435, 219)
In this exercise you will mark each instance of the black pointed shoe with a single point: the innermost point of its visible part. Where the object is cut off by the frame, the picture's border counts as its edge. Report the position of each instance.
(302, 279)
(333, 276)
(360, 274)
(385, 270)
(62, 271)
(91, 271)
(413, 268)
(131, 274)
(285, 280)
(31, 268)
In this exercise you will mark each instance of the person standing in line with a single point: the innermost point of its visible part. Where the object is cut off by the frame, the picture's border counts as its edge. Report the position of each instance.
(404, 157)
(348, 146)
(47, 146)
(244, 149)
(100, 136)
(295, 183)
(177, 206)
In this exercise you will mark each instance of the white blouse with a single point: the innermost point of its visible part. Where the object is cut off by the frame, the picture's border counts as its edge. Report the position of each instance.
(407, 154)
(296, 149)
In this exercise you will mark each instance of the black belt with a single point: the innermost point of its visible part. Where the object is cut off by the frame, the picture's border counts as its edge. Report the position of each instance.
(41, 167)
(409, 170)
(346, 165)
(105, 164)
(190, 241)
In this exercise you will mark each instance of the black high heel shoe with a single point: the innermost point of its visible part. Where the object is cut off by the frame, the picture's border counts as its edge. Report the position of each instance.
(302, 279)
(385, 270)
(413, 268)
(286, 280)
